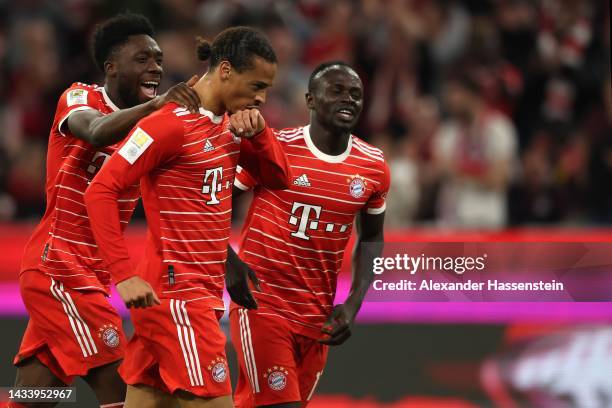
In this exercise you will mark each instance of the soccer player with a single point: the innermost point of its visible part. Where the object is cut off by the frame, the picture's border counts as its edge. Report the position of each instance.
(186, 166)
(73, 330)
(294, 240)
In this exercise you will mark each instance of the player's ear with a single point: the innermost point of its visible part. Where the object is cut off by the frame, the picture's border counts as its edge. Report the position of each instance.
(110, 68)
(225, 70)
(309, 100)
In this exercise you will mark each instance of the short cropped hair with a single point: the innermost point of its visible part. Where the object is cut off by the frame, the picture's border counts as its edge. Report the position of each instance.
(322, 67)
(113, 33)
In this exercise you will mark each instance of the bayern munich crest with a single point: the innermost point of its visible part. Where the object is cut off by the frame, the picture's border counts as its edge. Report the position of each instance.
(277, 377)
(218, 369)
(357, 186)
(110, 335)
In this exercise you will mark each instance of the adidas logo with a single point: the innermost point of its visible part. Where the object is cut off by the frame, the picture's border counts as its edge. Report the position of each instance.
(302, 181)
(208, 147)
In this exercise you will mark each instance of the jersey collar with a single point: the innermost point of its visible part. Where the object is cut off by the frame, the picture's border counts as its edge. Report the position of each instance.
(324, 156)
(214, 118)
(108, 101)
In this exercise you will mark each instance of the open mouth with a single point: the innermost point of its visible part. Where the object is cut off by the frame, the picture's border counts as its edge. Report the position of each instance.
(149, 88)
(345, 114)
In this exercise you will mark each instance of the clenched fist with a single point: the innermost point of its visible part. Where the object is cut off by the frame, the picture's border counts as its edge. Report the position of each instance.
(247, 123)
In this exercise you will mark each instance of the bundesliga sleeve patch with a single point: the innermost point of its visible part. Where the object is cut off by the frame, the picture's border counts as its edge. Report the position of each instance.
(135, 145)
(77, 97)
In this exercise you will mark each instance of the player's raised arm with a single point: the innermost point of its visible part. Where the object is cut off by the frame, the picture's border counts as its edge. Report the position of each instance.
(260, 152)
(103, 130)
(153, 141)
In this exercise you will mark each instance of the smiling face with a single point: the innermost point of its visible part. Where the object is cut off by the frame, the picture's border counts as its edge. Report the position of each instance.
(246, 89)
(336, 98)
(135, 68)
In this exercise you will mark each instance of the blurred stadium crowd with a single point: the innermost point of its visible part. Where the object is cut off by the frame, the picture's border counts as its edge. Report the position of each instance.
(492, 113)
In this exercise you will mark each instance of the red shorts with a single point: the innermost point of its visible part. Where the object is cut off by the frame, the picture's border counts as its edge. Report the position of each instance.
(178, 345)
(276, 364)
(69, 331)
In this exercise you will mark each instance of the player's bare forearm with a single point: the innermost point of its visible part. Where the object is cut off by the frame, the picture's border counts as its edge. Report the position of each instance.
(337, 327)
(237, 193)
(369, 245)
(105, 130)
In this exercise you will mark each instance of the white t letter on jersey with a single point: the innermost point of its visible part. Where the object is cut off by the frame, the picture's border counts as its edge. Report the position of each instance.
(214, 186)
(304, 221)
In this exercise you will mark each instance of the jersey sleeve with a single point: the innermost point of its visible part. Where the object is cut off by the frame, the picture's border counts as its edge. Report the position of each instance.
(155, 140)
(262, 156)
(74, 99)
(377, 203)
(244, 181)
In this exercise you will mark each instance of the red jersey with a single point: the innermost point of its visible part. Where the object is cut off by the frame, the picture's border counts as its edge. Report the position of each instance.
(295, 239)
(186, 165)
(63, 245)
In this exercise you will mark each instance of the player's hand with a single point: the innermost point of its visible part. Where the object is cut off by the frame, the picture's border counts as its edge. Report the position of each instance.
(237, 276)
(136, 292)
(182, 94)
(247, 123)
(337, 328)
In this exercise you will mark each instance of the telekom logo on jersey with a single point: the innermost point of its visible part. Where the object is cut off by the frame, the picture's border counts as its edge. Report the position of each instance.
(305, 216)
(215, 185)
(304, 221)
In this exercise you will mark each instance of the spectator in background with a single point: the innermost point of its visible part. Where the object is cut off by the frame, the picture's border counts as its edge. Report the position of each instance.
(474, 151)
(415, 182)
(32, 92)
(332, 39)
(405, 187)
(543, 63)
(536, 196)
(284, 106)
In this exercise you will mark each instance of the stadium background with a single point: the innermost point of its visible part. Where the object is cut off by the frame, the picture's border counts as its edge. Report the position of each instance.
(543, 65)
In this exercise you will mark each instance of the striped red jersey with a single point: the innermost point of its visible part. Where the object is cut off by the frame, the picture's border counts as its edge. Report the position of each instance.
(63, 245)
(186, 165)
(295, 239)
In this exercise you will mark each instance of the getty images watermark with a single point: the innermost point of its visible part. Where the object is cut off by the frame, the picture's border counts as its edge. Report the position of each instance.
(492, 272)
(458, 265)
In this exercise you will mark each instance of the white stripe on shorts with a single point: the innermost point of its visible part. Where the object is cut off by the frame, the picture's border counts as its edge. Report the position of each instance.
(247, 349)
(79, 327)
(314, 386)
(193, 343)
(184, 330)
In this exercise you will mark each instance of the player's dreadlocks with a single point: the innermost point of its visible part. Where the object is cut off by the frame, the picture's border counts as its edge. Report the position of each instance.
(113, 33)
(237, 45)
